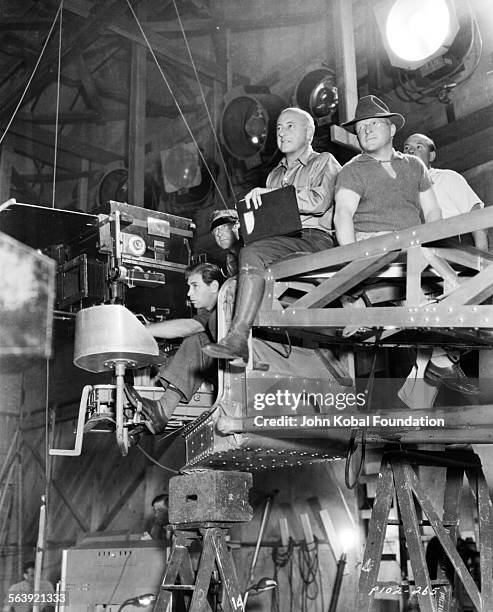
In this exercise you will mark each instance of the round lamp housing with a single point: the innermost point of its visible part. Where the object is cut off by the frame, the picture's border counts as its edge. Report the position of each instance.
(248, 123)
(317, 94)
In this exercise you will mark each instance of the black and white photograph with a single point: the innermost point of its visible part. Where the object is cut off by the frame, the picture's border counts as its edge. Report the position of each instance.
(246, 329)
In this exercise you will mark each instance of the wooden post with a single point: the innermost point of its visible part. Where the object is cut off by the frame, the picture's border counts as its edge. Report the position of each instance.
(137, 120)
(345, 64)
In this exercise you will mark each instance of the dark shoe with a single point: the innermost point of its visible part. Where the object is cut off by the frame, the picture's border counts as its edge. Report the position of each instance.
(451, 376)
(155, 411)
(136, 434)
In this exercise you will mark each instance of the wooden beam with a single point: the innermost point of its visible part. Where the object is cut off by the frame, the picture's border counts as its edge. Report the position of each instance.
(126, 495)
(237, 24)
(420, 234)
(80, 520)
(66, 144)
(64, 118)
(44, 153)
(11, 25)
(78, 38)
(136, 120)
(89, 89)
(468, 152)
(128, 30)
(61, 176)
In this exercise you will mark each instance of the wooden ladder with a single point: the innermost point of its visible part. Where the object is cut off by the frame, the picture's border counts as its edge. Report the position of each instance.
(215, 553)
(398, 478)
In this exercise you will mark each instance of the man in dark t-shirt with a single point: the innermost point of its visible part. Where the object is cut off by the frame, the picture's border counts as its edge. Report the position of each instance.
(189, 366)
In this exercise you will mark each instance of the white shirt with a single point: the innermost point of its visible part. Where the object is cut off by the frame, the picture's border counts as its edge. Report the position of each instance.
(454, 195)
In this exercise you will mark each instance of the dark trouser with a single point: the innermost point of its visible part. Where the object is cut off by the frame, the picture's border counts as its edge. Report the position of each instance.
(189, 367)
(259, 255)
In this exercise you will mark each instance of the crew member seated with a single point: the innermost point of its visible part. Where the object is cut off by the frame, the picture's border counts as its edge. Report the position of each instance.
(224, 228)
(313, 175)
(189, 366)
(454, 197)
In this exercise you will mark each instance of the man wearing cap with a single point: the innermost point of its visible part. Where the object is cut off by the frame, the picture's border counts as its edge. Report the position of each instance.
(380, 190)
(313, 176)
(224, 228)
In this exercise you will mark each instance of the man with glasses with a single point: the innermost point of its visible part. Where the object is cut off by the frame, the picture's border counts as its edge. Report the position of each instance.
(380, 190)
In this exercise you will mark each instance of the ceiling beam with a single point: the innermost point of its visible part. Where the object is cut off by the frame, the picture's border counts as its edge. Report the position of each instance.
(66, 144)
(78, 39)
(199, 27)
(11, 25)
(89, 90)
(42, 153)
(127, 29)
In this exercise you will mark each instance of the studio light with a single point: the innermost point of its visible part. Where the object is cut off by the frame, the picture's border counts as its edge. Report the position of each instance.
(317, 94)
(415, 32)
(180, 167)
(248, 123)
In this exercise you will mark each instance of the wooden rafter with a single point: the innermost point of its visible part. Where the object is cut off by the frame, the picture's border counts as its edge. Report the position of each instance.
(78, 39)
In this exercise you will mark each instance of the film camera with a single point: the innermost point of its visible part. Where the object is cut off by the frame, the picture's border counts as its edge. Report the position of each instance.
(102, 256)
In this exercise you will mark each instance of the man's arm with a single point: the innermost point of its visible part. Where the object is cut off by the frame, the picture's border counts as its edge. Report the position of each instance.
(175, 328)
(480, 237)
(346, 205)
(317, 197)
(429, 205)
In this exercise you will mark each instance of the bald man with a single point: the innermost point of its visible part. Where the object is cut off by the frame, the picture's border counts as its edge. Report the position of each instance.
(313, 176)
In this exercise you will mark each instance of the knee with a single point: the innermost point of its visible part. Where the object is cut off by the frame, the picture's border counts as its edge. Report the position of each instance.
(250, 258)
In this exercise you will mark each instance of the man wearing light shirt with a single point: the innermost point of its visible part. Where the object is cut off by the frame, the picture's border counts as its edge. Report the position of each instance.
(313, 176)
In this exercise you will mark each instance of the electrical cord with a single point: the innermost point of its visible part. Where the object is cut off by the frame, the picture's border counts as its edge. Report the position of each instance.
(308, 566)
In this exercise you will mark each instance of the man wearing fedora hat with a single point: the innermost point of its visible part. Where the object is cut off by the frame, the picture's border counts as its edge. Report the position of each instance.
(224, 228)
(380, 190)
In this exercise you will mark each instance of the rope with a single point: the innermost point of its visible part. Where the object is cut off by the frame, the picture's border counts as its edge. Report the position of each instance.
(32, 74)
(216, 140)
(57, 113)
(187, 125)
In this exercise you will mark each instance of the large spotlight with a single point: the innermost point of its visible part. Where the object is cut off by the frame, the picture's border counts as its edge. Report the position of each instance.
(415, 32)
(317, 94)
(248, 123)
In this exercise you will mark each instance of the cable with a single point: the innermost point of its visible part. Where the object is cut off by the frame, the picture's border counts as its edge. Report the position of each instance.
(204, 100)
(308, 566)
(57, 112)
(151, 50)
(32, 75)
(152, 460)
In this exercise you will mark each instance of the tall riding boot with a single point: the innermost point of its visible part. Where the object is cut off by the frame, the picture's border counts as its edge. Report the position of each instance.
(248, 299)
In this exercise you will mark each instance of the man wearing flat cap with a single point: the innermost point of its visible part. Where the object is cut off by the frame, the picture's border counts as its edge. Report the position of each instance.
(224, 228)
(380, 190)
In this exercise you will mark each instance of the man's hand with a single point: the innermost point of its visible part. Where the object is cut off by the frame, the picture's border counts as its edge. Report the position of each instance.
(254, 197)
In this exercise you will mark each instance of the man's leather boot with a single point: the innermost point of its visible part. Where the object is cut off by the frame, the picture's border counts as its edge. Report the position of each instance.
(157, 412)
(248, 299)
